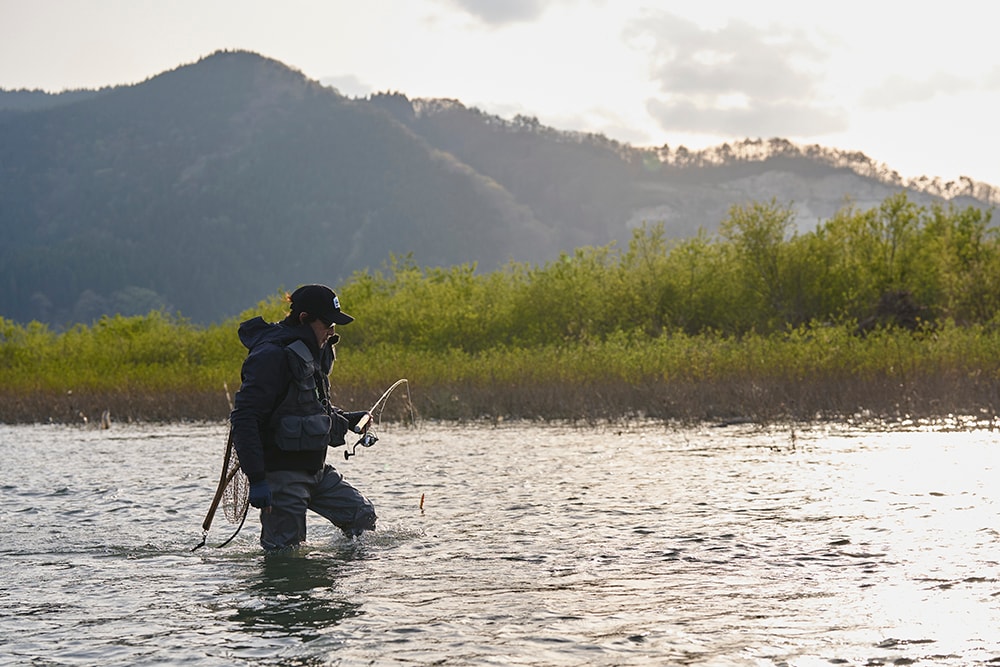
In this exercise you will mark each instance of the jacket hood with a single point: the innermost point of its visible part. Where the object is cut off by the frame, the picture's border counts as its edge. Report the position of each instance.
(255, 331)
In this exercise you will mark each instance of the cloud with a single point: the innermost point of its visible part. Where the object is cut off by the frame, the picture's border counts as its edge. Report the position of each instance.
(502, 12)
(896, 90)
(739, 79)
(505, 12)
(783, 119)
(348, 85)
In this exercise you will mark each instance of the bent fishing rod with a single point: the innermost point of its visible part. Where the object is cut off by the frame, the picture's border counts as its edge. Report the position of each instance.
(374, 416)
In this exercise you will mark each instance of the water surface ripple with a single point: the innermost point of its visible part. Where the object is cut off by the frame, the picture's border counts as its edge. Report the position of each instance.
(536, 545)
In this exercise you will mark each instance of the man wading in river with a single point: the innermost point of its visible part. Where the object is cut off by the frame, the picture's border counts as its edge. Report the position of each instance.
(283, 422)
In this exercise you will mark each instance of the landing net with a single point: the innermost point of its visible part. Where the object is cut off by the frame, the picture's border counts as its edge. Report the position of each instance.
(236, 497)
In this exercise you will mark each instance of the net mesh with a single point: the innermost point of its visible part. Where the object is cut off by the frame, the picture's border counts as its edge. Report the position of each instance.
(236, 497)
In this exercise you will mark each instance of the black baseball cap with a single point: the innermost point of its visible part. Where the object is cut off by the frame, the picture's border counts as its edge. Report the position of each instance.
(321, 302)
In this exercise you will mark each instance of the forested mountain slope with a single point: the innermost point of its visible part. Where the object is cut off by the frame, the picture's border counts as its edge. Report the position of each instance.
(209, 187)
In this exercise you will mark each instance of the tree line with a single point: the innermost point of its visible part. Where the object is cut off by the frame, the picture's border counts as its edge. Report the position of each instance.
(899, 264)
(892, 309)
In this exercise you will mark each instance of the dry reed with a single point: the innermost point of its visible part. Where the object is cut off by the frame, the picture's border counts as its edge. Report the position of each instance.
(758, 400)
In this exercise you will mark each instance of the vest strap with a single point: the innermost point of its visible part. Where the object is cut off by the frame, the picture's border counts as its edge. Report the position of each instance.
(301, 349)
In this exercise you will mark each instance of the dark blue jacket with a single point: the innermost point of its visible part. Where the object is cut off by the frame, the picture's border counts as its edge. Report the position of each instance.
(269, 394)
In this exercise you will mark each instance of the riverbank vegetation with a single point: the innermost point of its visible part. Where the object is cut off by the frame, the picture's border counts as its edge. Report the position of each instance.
(886, 313)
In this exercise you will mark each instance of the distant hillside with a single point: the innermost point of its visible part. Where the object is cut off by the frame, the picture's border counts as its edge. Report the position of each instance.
(600, 188)
(207, 188)
(13, 101)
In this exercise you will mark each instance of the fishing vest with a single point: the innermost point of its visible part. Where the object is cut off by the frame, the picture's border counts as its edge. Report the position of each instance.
(302, 421)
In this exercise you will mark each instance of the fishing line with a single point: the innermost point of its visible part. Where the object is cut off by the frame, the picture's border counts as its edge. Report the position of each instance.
(370, 436)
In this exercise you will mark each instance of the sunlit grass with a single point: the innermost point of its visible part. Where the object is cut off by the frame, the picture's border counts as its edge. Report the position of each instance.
(757, 323)
(164, 368)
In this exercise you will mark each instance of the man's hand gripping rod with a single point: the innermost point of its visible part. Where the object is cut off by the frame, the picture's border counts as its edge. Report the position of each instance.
(366, 424)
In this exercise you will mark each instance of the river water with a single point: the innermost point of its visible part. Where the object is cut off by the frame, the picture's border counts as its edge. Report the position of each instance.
(534, 545)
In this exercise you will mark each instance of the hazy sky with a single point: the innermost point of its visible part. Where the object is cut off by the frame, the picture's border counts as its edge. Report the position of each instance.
(913, 85)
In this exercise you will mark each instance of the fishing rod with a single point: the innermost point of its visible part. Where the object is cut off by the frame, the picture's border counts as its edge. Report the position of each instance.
(374, 416)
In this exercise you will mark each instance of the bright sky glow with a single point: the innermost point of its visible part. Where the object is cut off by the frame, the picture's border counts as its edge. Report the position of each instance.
(912, 85)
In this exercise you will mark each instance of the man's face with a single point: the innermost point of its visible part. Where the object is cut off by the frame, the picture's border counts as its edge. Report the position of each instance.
(322, 331)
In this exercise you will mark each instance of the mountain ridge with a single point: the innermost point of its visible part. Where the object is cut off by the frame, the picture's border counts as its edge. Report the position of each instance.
(208, 187)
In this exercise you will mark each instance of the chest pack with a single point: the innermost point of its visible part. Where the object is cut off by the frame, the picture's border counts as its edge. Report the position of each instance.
(301, 421)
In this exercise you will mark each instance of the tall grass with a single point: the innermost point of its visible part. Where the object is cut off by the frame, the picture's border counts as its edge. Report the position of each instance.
(756, 323)
(156, 368)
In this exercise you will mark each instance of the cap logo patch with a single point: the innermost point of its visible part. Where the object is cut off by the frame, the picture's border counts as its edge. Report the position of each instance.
(336, 303)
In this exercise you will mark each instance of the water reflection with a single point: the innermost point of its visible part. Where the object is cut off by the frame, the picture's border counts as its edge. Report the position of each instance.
(295, 593)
